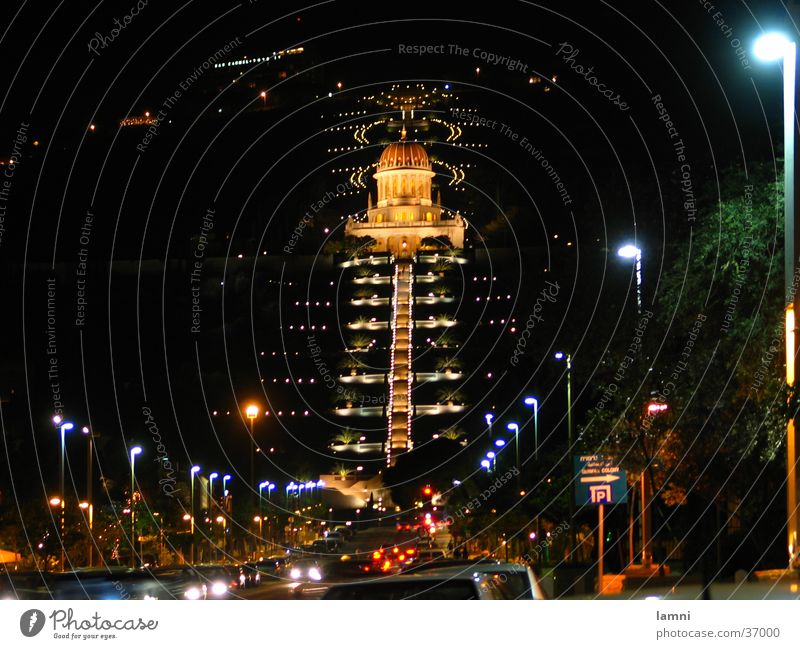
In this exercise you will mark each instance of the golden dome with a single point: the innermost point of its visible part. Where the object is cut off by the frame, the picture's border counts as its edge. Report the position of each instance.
(403, 155)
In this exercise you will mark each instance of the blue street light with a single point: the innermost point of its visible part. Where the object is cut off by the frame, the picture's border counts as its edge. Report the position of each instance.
(270, 487)
(195, 469)
(514, 426)
(486, 464)
(489, 417)
(533, 401)
(225, 479)
(211, 479)
(136, 450)
(63, 426)
(571, 534)
(499, 443)
(290, 487)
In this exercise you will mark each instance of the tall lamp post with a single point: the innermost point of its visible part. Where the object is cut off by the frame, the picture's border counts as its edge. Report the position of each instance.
(533, 401)
(211, 479)
(489, 417)
(777, 47)
(252, 412)
(571, 534)
(90, 505)
(63, 426)
(632, 252)
(195, 469)
(514, 426)
(136, 450)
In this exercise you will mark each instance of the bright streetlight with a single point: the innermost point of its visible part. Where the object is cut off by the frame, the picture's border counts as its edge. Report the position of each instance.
(514, 427)
(136, 450)
(489, 417)
(63, 426)
(90, 506)
(533, 401)
(632, 252)
(211, 479)
(252, 412)
(195, 469)
(571, 533)
(225, 479)
(774, 46)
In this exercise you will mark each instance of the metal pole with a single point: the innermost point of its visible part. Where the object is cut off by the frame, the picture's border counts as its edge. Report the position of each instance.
(646, 522)
(252, 458)
(133, 515)
(600, 546)
(536, 430)
(571, 535)
(790, 262)
(90, 510)
(63, 500)
(191, 521)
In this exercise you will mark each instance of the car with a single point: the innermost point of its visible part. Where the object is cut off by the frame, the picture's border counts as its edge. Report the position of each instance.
(456, 587)
(428, 555)
(325, 546)
(189, 582)
(335, 572)
(304, 570)
(516, 580)
(346, 532)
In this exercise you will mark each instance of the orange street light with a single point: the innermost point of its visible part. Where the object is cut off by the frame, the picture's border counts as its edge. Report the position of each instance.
(252, 412)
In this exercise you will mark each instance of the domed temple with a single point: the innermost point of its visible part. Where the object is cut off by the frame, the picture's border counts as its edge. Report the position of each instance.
(405, 214)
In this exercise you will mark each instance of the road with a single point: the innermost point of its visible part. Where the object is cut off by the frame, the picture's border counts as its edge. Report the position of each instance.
(364, 541)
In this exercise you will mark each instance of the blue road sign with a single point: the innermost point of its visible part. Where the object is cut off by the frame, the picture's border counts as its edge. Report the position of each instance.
(599, 481)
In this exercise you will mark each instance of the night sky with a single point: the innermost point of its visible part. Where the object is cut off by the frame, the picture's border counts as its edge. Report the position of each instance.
(629, 99)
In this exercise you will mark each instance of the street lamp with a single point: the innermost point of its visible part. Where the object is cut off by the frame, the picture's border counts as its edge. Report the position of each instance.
(194, 469)
(489, 417)
(134, 452)
(571, 533)
(533, 401)
(211, 479)
(90, 506)
(774, 46)
(225, 479)
(632, 252)
(514, 427)
(252, 412)
(63, 426)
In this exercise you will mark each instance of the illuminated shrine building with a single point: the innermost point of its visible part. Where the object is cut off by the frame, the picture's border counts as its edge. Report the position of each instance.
(402, 218)
(405, 213)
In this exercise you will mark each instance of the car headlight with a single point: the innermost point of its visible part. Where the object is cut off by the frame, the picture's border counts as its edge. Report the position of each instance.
(218, 588)
(192, 593)
(295, 573)
(314, 574)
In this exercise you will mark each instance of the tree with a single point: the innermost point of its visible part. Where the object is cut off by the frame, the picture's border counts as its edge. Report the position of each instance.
(346, 436)
(453, 433)
(712, 354)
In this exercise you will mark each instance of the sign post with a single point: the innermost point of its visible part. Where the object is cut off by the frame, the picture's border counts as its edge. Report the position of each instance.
(599, 481)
